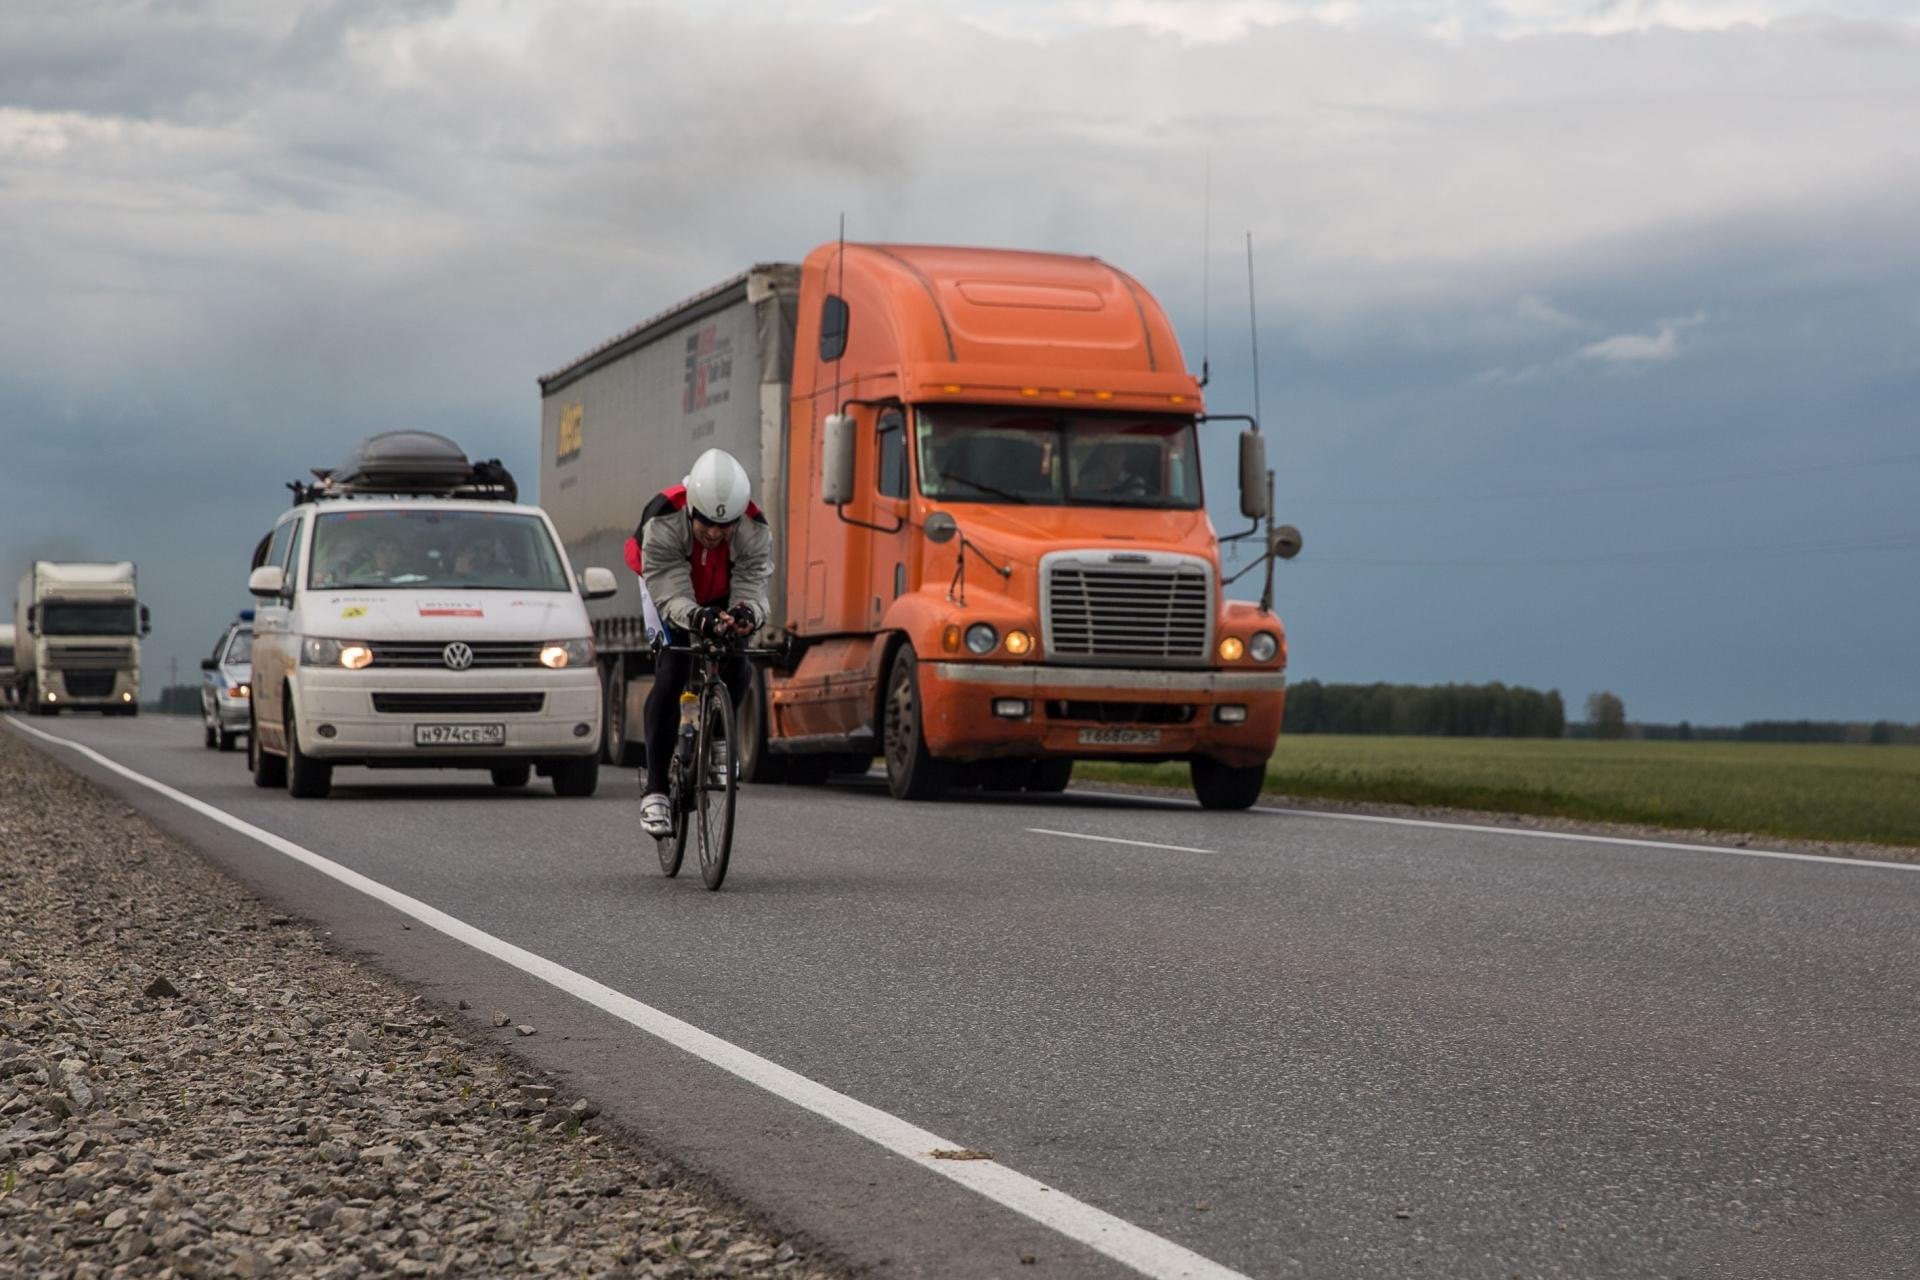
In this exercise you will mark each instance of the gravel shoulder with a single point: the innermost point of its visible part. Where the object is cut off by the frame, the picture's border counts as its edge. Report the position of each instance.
(1532, 822)
(192, 1084)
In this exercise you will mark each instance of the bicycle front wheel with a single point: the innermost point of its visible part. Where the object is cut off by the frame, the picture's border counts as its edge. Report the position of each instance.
(719, 778)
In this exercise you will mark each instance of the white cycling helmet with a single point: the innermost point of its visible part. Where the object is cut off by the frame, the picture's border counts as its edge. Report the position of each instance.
(717, 487)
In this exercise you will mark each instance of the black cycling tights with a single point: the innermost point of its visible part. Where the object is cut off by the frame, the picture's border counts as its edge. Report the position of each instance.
(670, 674)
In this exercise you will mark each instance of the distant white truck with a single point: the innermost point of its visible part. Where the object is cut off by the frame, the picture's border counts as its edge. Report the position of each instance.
(77, 630)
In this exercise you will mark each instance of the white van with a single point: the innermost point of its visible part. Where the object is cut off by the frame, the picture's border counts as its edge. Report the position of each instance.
(412, 614)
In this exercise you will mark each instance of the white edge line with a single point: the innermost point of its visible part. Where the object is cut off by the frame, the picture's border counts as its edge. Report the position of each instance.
(1138, 844)
(1100, 1231)
(1578, 838)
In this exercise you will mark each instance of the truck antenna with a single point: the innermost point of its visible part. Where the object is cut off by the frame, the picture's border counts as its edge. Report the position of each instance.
(840, 290)
(1206, 271)
(1253, 329)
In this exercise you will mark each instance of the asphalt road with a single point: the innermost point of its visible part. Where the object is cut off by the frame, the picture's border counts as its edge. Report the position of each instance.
(1294, 1045)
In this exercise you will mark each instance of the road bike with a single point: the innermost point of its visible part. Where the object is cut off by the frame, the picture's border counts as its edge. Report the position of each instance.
(704, 774)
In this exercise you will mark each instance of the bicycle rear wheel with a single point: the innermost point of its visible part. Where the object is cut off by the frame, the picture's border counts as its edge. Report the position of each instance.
(718, 778)
(674, 847)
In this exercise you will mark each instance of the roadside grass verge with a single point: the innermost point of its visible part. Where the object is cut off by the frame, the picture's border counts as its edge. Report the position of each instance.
(1813, 792)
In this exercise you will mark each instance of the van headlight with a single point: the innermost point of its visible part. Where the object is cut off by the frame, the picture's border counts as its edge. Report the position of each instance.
(557, 654)
(319, 651)
(1263, 646)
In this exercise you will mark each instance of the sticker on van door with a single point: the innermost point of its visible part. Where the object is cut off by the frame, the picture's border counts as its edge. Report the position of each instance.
(451, 609)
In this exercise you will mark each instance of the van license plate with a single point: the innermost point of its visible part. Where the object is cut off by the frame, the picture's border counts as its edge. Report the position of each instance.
(460, 735)
(1119, 737)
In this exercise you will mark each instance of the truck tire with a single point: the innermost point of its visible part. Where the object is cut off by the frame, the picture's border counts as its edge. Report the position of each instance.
(577, 778)
(912, 771)
(615, 750)
(1050, 776)
(268, 770)
(759, 765)
(307, 778)
(1227, 786)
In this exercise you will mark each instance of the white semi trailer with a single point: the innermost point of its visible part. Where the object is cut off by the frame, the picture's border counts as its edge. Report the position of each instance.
(77, 630)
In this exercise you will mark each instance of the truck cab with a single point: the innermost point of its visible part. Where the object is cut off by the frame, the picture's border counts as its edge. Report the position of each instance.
(77, 630)
(1000, 559)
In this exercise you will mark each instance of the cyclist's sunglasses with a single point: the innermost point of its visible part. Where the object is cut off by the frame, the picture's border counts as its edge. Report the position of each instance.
(714, 524)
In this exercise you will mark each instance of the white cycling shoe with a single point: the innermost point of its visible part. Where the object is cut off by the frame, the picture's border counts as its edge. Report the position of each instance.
(656, 815)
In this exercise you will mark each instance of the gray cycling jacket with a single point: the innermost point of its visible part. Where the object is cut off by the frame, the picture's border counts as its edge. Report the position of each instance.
(728, 575)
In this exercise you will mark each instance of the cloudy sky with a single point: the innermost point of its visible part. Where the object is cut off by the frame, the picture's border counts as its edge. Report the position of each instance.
(1590, 332)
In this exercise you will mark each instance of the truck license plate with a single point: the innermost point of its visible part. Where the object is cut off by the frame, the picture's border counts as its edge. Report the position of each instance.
(1119, 737)
(460, 735)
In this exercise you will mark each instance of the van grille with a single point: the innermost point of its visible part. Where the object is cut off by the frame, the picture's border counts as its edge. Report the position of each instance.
(432, 653)
(1153, 613)
(455, 704)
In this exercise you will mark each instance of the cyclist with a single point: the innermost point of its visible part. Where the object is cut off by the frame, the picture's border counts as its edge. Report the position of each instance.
(705, 556)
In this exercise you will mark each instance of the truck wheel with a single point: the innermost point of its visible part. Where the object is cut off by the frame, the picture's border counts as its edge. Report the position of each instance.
(268, 770)
(307, 778)
(512, 775)
(757, 763)
(579, 778)
(912, 771)
(1227, 786)
(1050, 776)
(615, 750)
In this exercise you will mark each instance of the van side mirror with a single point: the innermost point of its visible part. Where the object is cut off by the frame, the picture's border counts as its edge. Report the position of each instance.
(833, 327)
(1286, 542)
(836, 459)
(268, 581)
(597, 583)
(1253, 475)
(146, 621)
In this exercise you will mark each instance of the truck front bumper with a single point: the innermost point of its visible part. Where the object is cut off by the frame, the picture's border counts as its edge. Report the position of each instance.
(985, 710)
(124, 690)
(336, 716)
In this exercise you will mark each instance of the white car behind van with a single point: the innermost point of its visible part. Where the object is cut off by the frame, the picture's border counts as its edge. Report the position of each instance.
(411, 614)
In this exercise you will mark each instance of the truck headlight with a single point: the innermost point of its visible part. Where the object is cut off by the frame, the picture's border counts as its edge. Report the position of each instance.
(982, 638)
(1019, 643)
(1232, 649)
(556, 654)
(1263, 646)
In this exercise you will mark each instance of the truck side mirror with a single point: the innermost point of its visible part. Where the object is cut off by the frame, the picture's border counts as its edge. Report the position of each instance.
(1253, 475)
(597, 583)
(146, 621)
(836, 459)
(1286, 542)
(940, 527)
(833, 327)
(268, 581)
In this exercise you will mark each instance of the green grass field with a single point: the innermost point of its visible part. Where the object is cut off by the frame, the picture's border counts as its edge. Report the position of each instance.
(1814, 792)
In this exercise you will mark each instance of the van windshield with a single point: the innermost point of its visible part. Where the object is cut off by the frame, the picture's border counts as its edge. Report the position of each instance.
(470, 550)
(92, 618)
(1033, 456)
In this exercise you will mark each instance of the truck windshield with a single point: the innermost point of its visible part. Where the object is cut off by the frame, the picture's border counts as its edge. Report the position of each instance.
(92, 618)
(979, 454)
(470, 550)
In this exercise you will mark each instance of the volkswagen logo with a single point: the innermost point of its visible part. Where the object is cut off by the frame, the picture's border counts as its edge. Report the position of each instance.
(458, 656)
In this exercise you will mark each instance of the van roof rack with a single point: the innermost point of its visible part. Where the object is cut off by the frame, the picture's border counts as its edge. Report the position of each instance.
(414, 463)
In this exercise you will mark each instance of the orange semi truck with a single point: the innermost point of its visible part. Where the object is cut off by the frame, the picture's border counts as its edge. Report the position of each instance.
(982, 470)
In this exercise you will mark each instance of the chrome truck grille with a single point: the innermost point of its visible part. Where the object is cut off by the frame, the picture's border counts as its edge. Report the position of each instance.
(1126, 608)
